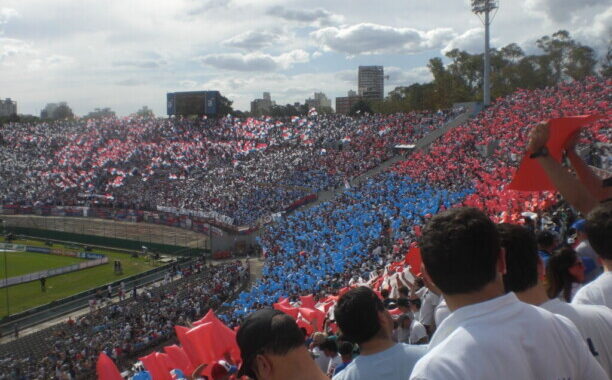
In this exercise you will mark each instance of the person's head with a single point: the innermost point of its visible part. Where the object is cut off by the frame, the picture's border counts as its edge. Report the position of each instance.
(384, 293)
(546, 240)
(415, 305)
(346, 351)
(318, 338)
(403, 292)
(329, 348)
(222, 370)
(403, 304)
(361, 316)
(579, 227)
(563, 269)
(264, 338)
(522, 260)
(598, 228)
(461, 252)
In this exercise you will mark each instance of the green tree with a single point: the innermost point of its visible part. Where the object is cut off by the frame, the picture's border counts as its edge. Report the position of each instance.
(62, 112)
(360, 108)
(225, 106)
(145, 112)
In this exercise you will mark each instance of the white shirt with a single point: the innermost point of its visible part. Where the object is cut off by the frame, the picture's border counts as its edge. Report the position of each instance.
(597, 292)
(417, 332)
(333, 363)
(320, 358)
(442, 312)
(504, 338)
(395, 363)
(429, 303)
(594, 323)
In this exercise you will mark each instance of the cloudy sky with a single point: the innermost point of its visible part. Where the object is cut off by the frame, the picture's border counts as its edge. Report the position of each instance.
(125, 54)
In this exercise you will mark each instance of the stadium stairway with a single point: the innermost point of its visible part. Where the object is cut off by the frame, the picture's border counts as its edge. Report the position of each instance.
(471, 110)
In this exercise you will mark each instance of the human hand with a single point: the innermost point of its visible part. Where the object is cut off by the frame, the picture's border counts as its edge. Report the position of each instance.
(538, 137)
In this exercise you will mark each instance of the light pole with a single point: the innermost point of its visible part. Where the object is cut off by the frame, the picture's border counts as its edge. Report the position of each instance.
(486, 7)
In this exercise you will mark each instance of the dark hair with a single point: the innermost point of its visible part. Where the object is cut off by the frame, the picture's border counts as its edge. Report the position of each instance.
(346, 348)
(357, 314)
(521, 257)
(384, 293)
(416, 302)
(329, 344)
(599, 230)
(545, 239)
(403, 290)
(460, 248)
(403, 302)
(557, 273)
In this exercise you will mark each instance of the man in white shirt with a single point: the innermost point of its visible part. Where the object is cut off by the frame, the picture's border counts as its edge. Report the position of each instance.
(330, 349)
(524, 271)
(490, 335)
(363, 319)
(411, 331)
(322, 361)
(599, 231)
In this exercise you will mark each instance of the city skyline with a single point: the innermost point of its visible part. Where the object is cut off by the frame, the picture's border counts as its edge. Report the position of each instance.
(125, 54)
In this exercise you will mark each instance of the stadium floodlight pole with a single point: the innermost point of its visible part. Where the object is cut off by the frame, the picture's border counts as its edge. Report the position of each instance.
(486, 7)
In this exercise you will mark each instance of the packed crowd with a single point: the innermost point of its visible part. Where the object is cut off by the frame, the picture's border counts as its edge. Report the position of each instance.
(243, 169)
(144, 318)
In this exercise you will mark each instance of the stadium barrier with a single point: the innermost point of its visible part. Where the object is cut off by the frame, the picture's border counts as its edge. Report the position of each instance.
(133, 245)
(51, 272)
(13, 247)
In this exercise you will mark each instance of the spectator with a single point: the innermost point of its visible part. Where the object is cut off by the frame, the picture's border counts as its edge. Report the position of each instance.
(272, 347)
(546, 245)
(593, 267)
(599, 231)
(524, 273)
(346, 352)
(318, 338)
(330, 349)
(410, 330)
(363, 319)
(462, 256)
(565, 274)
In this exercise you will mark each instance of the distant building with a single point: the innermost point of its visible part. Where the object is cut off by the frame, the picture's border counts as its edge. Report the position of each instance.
(49, 110)
(319, 101)
(371, 82)
(352, 93)
(8, 107)
(262, 106)
(345, 103)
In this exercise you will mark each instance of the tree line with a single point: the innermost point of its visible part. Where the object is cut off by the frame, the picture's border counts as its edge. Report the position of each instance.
(560, 59)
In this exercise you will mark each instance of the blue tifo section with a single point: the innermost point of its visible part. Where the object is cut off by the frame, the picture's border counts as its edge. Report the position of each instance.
(337, 235)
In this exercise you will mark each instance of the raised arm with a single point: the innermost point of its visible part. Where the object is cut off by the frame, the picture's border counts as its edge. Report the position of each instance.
(572, 190)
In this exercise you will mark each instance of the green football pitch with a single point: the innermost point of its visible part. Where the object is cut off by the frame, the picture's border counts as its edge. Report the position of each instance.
(25, 296)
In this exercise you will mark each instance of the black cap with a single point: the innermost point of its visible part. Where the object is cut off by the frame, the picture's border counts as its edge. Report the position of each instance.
(262, 333)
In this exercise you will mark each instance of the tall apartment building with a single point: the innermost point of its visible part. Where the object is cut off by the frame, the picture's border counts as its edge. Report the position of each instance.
(371, 82)
(262, 106)
(319, 101)
(8, 107)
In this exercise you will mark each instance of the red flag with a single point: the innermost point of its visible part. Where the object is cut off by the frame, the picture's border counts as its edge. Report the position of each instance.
(308, 301)
(211, 342)
(188, 348)
(292, 311)
(413, 258)
(106, 368)
(156, 368)
(180, 358)
(312, 315)
(530, 176)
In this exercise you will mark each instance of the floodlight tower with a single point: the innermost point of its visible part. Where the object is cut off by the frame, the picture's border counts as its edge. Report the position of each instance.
(486, 7)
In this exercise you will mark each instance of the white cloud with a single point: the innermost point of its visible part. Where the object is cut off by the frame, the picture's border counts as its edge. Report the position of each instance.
(562, 10)
(598, 33)
(6, 14)
(402, 77)
(252, 40)
(369, 38)
(318, 16)
(255, 61)
(472, 41)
